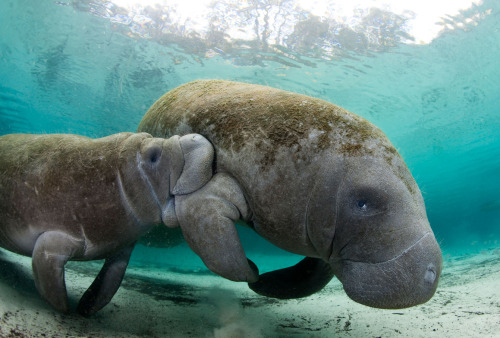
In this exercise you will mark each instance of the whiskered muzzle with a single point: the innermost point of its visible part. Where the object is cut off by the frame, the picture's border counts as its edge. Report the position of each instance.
(407, 280)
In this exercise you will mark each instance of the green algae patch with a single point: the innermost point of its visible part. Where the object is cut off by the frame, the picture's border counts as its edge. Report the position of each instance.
(233, 115)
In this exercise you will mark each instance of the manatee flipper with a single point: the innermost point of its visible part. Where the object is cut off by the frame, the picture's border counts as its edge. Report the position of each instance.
(207, 219)
(51, 252)
(106, 283)
(301, 280)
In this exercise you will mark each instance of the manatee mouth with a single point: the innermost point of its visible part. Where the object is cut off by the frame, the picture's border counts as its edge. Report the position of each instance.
(409, 279)
(168, 215)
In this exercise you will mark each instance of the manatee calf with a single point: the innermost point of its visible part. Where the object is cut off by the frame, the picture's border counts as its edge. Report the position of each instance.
(313, 179)
(68, 197)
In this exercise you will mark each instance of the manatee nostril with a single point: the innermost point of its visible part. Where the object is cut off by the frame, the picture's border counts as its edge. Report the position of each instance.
(430, 274)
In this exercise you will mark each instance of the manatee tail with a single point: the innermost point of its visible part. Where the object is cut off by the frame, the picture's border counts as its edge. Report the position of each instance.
(301, 280)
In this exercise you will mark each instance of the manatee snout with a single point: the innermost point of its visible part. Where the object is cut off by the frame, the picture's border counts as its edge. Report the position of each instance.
(174, 166)
(406, 280)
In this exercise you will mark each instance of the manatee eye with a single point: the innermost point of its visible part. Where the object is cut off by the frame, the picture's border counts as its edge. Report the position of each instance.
(362, 205)
(368, 202)
(153, 155)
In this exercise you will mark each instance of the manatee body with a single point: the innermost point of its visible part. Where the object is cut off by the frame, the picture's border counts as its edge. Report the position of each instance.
(67, 197)
(311, 178)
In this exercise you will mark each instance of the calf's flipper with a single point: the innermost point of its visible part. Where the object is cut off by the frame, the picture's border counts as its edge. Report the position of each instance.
(51, 252)
(106, 283)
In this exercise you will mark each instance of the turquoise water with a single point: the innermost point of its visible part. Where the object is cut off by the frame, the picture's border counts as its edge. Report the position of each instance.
(87, 68)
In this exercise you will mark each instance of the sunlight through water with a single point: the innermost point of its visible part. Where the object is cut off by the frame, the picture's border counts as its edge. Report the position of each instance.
(425, 19)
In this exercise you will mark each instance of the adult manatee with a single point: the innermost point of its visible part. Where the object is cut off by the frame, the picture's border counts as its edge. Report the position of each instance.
(68, 197)
(313, 179)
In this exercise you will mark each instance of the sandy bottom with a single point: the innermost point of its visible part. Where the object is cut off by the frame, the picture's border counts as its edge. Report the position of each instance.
(159, 302)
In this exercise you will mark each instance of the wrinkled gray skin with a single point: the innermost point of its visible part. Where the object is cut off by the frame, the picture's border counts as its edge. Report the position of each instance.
(68, 197)
(309, 177)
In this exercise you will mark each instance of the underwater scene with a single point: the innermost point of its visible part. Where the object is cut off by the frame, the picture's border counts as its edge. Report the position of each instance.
(314, 168)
